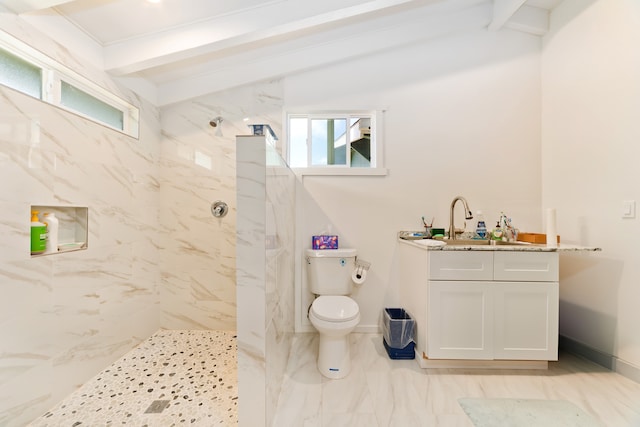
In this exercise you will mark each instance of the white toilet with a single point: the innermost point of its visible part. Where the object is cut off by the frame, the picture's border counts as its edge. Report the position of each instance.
(332, 313)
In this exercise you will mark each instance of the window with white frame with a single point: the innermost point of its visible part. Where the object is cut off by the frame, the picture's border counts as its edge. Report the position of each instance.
(20, 74)
(27, 70)
(334, 142)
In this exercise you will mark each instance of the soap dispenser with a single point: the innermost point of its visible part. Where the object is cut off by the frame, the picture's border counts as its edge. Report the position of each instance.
(496, 234)
(481, 227)
(38, 234)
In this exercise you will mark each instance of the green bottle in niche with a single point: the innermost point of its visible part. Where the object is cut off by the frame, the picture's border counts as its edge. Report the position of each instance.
(38, 234)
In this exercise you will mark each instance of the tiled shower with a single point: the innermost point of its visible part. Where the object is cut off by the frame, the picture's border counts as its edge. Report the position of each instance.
(156, 257)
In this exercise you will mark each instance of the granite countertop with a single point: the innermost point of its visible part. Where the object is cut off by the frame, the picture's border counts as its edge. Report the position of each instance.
(441, 245)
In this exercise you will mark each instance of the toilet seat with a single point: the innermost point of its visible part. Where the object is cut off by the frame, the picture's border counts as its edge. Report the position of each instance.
(335, 308)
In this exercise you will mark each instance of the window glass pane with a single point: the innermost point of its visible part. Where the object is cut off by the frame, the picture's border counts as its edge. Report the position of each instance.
(298, 142)
(360, 142)
(80, 101)
(317, 140)
(328, 142)
(20, 75)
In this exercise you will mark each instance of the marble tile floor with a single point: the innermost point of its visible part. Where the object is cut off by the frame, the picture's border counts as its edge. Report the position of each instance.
(189, 378)
(384, 392)
(173, 378)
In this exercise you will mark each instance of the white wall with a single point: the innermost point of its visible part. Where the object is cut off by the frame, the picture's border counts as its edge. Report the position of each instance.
(462, 118)
(591, 147)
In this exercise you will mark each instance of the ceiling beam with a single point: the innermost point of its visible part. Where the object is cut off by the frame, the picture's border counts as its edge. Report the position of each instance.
(311, 51)
(503, 10)
(24, 6)
(276, 20)
(529, 19)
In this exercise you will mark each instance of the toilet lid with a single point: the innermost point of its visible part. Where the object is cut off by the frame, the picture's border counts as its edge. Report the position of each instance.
(335, 308)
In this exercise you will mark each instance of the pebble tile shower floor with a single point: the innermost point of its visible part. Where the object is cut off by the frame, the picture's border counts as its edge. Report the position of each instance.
(174, 378)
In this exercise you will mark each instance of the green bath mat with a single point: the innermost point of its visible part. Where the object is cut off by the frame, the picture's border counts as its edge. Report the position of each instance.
(525, 413)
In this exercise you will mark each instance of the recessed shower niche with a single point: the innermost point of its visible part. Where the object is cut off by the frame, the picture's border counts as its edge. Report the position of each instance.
(72, 227)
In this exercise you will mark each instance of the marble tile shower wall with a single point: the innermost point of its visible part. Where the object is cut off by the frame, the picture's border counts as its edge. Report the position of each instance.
(280, 283)
(198, 167)
(265, 268)
(65, 317)
(198, 255)
(251, 279)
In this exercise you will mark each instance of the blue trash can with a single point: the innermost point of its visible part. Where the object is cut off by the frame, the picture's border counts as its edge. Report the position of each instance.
(398, 330)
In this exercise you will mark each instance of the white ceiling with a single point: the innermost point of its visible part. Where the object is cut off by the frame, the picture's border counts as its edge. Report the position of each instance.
(179, 49)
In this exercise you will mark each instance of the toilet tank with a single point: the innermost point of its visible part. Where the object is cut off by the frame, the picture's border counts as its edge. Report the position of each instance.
(329, 271)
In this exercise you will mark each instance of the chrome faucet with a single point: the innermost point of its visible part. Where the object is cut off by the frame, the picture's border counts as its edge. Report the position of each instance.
(467, 215)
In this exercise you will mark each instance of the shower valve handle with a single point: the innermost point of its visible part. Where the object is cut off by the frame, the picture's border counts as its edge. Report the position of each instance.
(219, 209)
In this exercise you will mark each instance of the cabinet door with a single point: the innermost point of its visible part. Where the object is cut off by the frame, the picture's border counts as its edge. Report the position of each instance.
(526, 321)
(460, 320)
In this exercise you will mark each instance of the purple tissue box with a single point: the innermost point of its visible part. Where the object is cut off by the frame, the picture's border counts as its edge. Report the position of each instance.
(324, 242)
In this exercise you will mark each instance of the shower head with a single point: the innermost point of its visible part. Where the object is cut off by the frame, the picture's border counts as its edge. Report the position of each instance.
(217, 123)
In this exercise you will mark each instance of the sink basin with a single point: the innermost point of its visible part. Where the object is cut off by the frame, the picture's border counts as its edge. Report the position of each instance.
(470, 242)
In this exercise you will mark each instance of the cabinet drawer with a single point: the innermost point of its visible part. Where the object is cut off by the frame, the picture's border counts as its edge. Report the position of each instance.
(526, 266)
(463, 265)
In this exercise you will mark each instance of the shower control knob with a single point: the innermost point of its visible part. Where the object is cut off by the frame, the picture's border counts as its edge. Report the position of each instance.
(219, 209)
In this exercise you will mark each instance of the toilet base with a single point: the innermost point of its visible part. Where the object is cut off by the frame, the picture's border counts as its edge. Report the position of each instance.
(334, 360)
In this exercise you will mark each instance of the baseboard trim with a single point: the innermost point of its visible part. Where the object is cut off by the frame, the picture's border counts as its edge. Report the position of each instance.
(427, 363)
(367, 329)
(601, 358)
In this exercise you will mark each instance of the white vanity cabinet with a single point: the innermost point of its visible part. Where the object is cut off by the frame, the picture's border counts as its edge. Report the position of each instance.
(482, 305)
